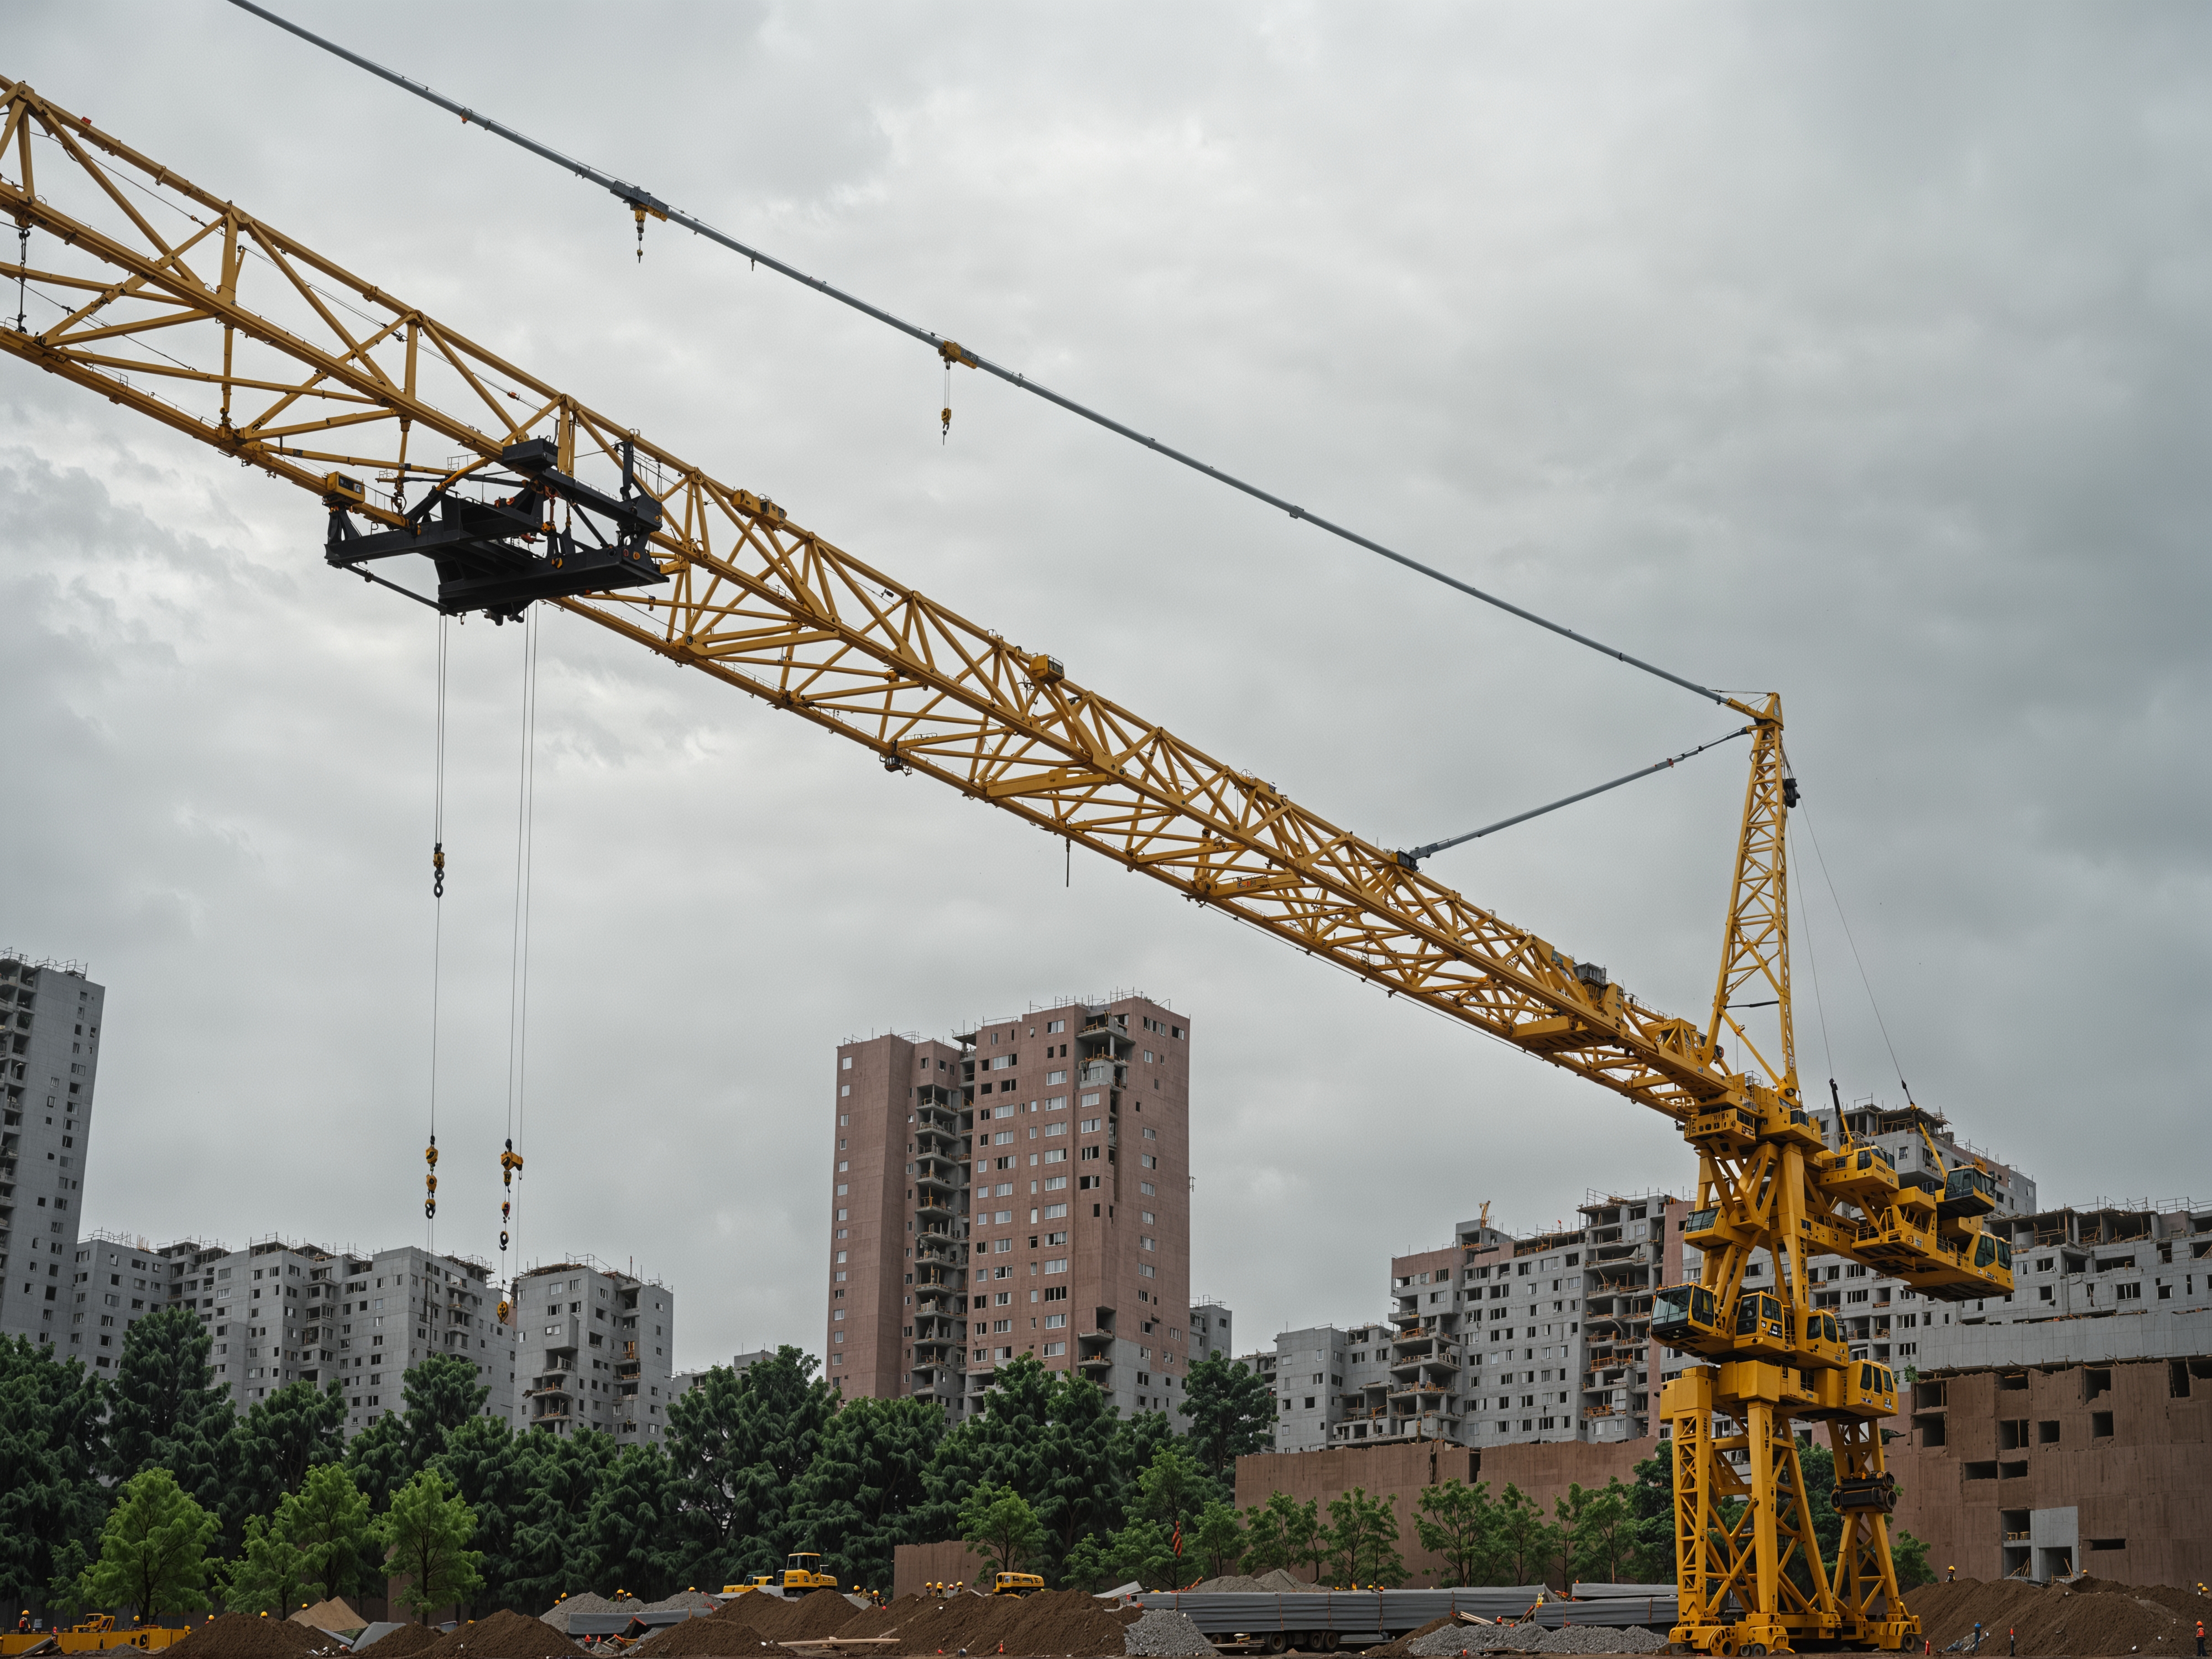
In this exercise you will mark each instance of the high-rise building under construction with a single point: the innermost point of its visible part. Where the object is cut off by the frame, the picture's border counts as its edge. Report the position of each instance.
(50, 1020)
(1019, 1190)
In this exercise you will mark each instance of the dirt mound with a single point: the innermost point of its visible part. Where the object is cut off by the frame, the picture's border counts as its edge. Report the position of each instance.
(402, 1644)
(2088, 1617)
(503, 1635)
(806, 1618)
(709, 1639)
(1403, 1646)
(881, 1621)
(249, 1636)
(1066, 1622)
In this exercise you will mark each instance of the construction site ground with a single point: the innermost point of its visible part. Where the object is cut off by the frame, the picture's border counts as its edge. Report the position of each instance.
(2082, 1619)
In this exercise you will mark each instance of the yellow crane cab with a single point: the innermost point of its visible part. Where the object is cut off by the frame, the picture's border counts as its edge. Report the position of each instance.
(802, 1571)
(1861, 1388)
(1760, 1330)
(1821, 1343)
(1016, 1583)
(1686, 1316)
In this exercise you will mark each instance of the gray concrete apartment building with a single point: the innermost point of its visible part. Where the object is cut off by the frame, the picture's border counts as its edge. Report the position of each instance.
(282, 1311)
(1498, 1339)
(50, 1022)
(595, 1351)
(1020, 1189)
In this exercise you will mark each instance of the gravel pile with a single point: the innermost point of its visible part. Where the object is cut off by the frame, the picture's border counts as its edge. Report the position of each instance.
(1162, 1633)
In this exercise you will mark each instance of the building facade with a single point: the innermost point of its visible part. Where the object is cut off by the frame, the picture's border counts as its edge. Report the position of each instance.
(282, 1311)
(1212, 1331)
(1022, 1189)
(50, 1020)
(595, 1349)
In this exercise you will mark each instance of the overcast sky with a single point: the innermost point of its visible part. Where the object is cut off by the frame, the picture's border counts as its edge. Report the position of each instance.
(1854, 352)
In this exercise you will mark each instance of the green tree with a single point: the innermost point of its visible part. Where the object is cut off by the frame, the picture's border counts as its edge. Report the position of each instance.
(1264, 1551)
(65, 1592)
(1231, 1412)
(1138, 1553)
(996, 1522)
(1909, 1555)
(268, 1574)
(859, 1498)
(1055, 1439)
(442, 1392)
(163, 1411)
(296, 1428)
(52, 1498)
(1604, 1535)
(1459, 1523)
(1218, 1540)
(486, 1465)
(631, 1532)
(327, 1522)
(558, 1476)
(1364, 1536)
(377, 1457)
(426, 1535)
(738, 1442)
(1526, 1542)
(1173, 1491)
(153, 1551)
(1651, 1508)
(1305, 1535)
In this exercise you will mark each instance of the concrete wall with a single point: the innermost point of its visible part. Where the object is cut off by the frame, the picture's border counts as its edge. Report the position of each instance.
(1966, 1480)
(1543, 1470)
(915, 1565)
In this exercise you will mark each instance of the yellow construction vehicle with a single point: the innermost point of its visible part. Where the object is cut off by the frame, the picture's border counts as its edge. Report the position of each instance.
(1016, 1584)
(95, 1634)
(802, 1571)
(758, 1581)
(247, 340)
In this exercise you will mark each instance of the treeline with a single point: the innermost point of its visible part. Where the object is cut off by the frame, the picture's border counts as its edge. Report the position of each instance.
(150, 1492)
(274, 1506)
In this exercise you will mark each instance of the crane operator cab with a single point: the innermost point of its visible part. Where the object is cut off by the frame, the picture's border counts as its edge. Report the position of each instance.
(1762, 1329)
(1686, 1316)
(1861, 1388)
(1821, 1343)
(802, 1571)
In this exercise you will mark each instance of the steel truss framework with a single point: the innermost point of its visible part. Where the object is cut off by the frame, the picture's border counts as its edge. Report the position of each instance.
(241, 338)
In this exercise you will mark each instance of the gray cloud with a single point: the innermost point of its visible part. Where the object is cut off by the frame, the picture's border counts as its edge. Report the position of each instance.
(1854, 352)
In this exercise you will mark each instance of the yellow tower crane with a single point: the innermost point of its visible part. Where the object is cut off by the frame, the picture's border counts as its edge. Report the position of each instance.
(173, 302)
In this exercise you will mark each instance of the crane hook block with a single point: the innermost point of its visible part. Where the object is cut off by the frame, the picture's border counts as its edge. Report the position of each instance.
(1789, 791)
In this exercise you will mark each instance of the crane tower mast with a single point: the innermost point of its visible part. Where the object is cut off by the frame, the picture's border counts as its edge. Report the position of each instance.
(420, 442)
